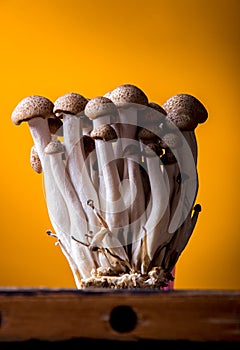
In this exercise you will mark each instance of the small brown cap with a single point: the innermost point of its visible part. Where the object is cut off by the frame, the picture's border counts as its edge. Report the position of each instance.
(55, 126)
(170, 140)
(54, 147)
(71, 103)
(104, 132)
(126, 94)
(35, 161)
(100, 106)
(32, 107)
(89, 144)
(188, 105)
(148, 134)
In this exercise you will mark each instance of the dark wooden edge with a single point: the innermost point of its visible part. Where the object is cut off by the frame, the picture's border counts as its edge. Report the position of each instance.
(69, 315)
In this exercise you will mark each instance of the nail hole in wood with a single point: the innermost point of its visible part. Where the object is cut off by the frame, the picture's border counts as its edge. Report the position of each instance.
(123, 319)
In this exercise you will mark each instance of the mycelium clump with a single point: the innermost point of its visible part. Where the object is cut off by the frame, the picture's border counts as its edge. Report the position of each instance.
(120, 181)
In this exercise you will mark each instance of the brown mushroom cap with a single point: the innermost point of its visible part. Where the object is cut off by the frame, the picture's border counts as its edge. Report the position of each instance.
(170, 140)
(54, 147)
(148, 134)
(182, 120)
(32, 107)
(126, 94)
(35, 161)
(71, 103)
(188, 105)
(55, 126)
(104, 132)
(89, 144)
(99, 106)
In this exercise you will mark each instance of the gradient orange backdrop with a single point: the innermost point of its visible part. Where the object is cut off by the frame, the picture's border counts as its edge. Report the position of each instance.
(50, 48)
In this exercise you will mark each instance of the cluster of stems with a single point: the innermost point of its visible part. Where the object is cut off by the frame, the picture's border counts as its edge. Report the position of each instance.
(120, 181)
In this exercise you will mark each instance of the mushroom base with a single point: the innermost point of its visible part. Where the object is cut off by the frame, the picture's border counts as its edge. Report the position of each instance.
(157, 278)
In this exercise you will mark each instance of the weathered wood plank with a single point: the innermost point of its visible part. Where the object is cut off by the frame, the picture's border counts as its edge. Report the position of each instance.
(52, 314)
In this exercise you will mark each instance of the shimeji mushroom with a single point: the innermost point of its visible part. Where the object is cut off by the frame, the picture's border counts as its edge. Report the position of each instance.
(148, 130)
(155, 233)
(70, 108)
(171, 142)
(170, 172)
(129, 100)
(55, 125)
(78, 226)
(35, 110)
(101, 111)
(137, 210)
(117, 145)
(185, 112)
(148, 133)
(91, 160)
(59, 216)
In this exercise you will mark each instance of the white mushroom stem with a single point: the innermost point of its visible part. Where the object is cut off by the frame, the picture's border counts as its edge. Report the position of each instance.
(171, 175)
(157, 222)
(127, 132)
(83, 258)
(56, 205)
(137, 210)
(128, 117)
(114, 246)
(91, 162)
(188, 185)
(106, 240)
(41, 135)
(73, 266)
(116, 215)
(76, 166)
(110, 187)
(59, 217)
(74, 269)
(127, 128)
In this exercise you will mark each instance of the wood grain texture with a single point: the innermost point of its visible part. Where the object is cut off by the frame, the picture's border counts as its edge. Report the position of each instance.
(63, 314)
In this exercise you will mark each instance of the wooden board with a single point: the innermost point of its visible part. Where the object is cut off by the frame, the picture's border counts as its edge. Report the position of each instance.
(63, 314)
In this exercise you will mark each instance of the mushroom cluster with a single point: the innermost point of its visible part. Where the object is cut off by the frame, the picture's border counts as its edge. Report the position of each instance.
(120, 181)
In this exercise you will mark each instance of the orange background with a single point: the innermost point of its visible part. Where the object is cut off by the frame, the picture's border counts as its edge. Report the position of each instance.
(50, 48)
